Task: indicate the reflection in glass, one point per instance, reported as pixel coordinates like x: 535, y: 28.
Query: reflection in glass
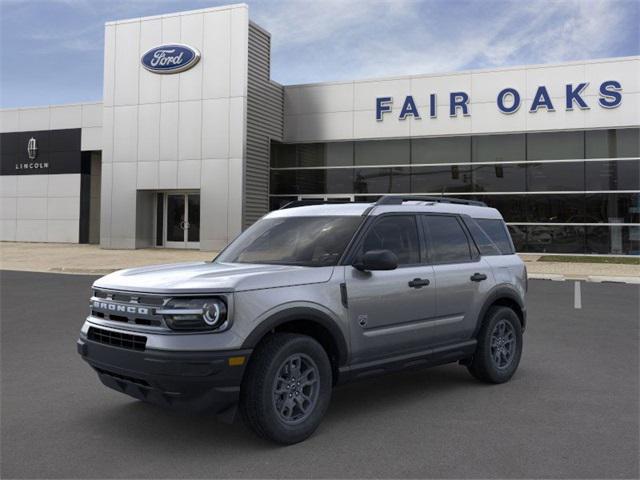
x: 544, y: 177
x: 193, y: 233
x: 548, y: 238
x: 175, y: 218
x: 499, y: 178
x: 612, y: 208
x: 556, y: 208
x: 446, y: 178
x: 382, y: 180
x: 613, y: 175
x: 613, y: 240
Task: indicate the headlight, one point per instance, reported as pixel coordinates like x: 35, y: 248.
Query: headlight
x: 195, y: 314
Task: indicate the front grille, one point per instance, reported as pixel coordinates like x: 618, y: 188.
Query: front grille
x: 117, y: 339
x: 124, y: 307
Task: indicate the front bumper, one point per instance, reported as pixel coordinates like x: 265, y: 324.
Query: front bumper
x: 190, y: 380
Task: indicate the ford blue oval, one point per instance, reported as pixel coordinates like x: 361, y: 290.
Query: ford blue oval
x: 172, y: 58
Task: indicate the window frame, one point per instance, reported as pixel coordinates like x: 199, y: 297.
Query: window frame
x: 354, y: 247
x: 474, y: 253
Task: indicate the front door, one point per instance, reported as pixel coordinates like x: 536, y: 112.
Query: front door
x: 390, y: 312
x: 182, y: 220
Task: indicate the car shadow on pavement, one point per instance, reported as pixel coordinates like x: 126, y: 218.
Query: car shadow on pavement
x: 150, y: 424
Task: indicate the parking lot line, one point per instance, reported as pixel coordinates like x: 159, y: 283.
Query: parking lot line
x: 577, y: 295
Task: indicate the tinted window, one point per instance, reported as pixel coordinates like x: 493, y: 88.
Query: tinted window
x: 613, y: 143
x: 382, y: 180
x: 382, y: 152
x: 397, y: 233
x: 612, y: 208
x: 497, y: 232
x: 513, y: 208
x: 499, y: 178
x: 564, y: 176
x: 613, y: 175
x: 499, y: 148
x: 438, y: 179
x: 549, y: 238
x: 555, y: 145
x: 304, y: 241
x: 555, y: 208
x: 441, y: 150
x: 481, y: 239
x: 447, y: 240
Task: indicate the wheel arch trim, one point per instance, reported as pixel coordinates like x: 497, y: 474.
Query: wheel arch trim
x: 498, y: 293
x: 300, y: 313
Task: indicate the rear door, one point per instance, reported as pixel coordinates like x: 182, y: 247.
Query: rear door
x: 390, y: 311
x: 462, y: 277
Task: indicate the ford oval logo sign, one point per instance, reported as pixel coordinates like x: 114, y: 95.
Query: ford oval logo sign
x: 172, y: 58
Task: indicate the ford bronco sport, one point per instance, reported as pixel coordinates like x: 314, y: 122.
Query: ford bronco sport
x: 312, y: 296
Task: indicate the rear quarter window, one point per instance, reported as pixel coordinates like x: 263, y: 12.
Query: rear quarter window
x: 498, y: 233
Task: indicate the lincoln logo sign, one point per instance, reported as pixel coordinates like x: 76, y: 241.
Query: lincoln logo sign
x: 172, y: 58
x: 508, y: 101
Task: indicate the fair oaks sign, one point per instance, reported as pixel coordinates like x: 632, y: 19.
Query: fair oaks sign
x: 508, y: 101
x: 173, y: 58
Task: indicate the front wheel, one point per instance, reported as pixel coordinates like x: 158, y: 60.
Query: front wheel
x: 499, y: 346
x: 287, y: 388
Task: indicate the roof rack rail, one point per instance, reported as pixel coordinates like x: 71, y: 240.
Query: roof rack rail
x: 311, y: 201
x: 399, y: 199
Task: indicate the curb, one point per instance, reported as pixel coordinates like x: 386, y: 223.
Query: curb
x: 588, y: 278
x: 83, y: 271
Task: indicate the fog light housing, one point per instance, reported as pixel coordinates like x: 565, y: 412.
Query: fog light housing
x: 195, y: 314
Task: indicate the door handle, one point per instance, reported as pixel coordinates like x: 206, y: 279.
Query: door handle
x: 478, y: 277
x: 419, y: 282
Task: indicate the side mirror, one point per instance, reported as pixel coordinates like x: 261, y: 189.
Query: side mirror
x: 377, y: 260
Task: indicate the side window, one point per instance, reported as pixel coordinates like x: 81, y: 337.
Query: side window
x: 497, y: 231
x: 484, y: 243
x: 398, y: 233
x: 449, y: 243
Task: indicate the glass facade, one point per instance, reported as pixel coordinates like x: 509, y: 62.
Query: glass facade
x: 560, y: 192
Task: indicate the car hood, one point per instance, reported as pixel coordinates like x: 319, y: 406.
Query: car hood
x: 209, y: 277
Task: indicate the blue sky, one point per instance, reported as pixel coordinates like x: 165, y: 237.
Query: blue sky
x: 51, y: 50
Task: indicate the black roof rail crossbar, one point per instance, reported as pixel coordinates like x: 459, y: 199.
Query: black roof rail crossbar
x: 399, y: 199
x: 311, y: 201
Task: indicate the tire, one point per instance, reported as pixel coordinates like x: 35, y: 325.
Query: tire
x: 501, y: 329
x: 275, y: 406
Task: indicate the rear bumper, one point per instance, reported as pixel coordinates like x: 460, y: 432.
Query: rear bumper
x: 188, y: 380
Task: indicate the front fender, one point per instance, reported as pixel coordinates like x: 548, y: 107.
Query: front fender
x: 300, y: 311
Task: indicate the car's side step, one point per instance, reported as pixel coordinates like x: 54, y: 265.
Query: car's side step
x: 425, y: 358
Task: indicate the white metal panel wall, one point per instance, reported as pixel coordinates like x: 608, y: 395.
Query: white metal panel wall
x: 178, y: 131
x: 40, y: 208
x: 346, y: 110
x: 87, y: 116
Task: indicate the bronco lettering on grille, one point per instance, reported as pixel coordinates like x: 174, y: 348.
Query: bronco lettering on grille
x: 116, y: 307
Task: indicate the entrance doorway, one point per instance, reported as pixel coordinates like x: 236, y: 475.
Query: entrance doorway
x: 181, y: 220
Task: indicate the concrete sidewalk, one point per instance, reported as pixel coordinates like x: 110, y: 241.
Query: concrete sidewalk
x: 90, y: 259
x: 87, y: 259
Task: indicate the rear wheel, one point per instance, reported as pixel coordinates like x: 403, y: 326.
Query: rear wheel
x: 287, y: 388
x: 499, y: 346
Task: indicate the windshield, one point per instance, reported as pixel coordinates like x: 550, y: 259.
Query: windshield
x: 304, y: 241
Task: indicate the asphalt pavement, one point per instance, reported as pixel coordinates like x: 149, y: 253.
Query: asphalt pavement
x: 571, y: 411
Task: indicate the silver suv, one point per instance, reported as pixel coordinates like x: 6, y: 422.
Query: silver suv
x: 309, y: 297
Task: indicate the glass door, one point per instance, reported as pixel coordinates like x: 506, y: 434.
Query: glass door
x: 182, y: 220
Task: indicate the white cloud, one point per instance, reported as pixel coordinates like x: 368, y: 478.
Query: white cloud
x: 325, y: 40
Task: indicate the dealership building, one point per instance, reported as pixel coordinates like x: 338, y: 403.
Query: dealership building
x: 193, y: 142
